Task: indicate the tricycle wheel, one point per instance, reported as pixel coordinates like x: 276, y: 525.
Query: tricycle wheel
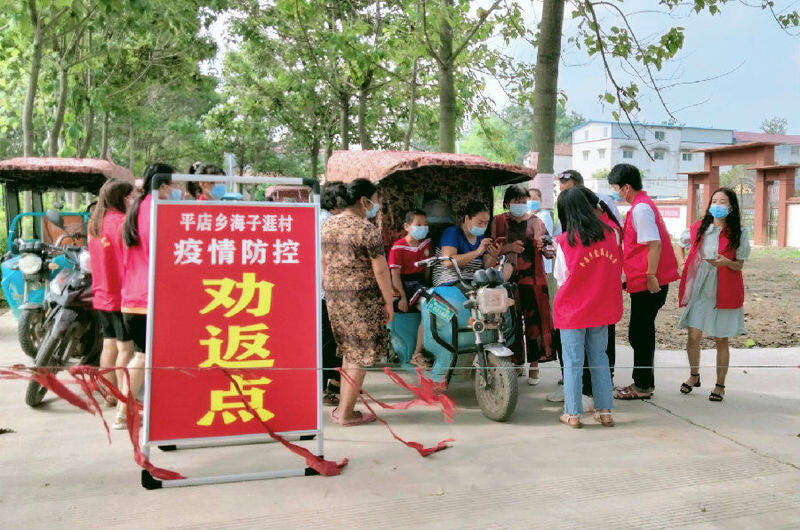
x: 497, y: 396
x: 30, y: 330
x: 46, y: 356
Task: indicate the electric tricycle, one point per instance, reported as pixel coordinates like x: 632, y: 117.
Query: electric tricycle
x: 468, y: 326
x: 29, y: 263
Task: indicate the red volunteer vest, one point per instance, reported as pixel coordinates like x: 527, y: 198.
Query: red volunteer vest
x: 635, y: 254
x: 107, y: 263
x: 592, y: 294
x: 730, y: 284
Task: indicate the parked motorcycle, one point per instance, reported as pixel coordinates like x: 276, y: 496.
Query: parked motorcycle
x: 36, y: 262
x: 71, y: 327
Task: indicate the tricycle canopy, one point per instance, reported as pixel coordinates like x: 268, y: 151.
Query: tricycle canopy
x: 40, y: 174
x: 441, y: 184
x: 75, y: 174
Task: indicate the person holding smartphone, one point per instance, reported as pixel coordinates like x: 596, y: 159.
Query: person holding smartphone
x: 520, y: 235
x: 712, y: 288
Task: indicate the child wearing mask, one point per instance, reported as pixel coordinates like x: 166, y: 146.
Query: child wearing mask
x: 407, y: 278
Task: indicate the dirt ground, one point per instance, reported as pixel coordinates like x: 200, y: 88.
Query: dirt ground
x: 772, y: 306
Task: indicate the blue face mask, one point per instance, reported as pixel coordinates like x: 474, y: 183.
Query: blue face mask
x: 372, y: 212
x: 218, y: 191
x: 719, y: 211
x: 176, y: 195
x: 477, y: 231
x: 518, y: 210
x: 533, y: 205
x: 615, y: 196
x: 419, y: 232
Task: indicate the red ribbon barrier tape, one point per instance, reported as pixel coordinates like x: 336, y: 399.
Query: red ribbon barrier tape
x: 424, y: 395
x: 88, y: 377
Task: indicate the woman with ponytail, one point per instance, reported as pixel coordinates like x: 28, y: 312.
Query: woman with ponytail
x: 136, y: 256
x: 712, y: 288
x: 105, y: 248
x: 358, y: 292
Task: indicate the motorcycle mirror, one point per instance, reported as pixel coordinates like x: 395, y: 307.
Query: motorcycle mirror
x: 54, y: 216
x: 480, y: 277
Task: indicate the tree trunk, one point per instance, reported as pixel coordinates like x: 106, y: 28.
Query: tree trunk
x: 447, y: 91
x: 61, y: 106
x: 132, y: 151
x: 412, y: 107
x: 104, y: 137
x: 328, y: 149
x: 315, y: 157
x: 344, y: 119
x: 363, y: 137
x: 89, y: 125
x: 546, y: 94
x: 33, y: 82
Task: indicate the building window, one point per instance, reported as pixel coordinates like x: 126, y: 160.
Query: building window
x: 686, y: 156
x: 658, y: 155
x: 796, y: 150
x: 627, y: 153
x: 659, y: 135
x: 605, y: 132
x: 586, y: 155
x: 586, y: 134
x: 601, y: 154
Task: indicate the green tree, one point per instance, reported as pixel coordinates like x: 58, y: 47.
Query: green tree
x: 774, y: 125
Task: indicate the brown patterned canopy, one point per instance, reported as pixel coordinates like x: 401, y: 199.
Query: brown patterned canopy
x: 345, y: 166
x: 434, y: 182
x: 45, y: 173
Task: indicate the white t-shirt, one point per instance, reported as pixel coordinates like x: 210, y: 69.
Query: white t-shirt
x: 612, y: 205
x: 644, y: 222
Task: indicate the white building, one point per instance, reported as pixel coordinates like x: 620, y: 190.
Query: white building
x: 599, y: 145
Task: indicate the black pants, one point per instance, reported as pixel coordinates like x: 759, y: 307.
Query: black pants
x: 642, y: 334
x: 329, y: 359
x: 611, y: 351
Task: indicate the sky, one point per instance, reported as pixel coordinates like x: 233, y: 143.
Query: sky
x: 758, y: 62
x: 754, y: 63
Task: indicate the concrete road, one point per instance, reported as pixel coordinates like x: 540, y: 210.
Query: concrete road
x: 671, y: 462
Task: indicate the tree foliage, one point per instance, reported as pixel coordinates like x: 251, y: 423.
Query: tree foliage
x: 774, y: 125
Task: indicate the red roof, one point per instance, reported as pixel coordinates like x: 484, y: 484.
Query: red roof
x: 347, y: 166
x: 742, y: 136
x: 69, y: 173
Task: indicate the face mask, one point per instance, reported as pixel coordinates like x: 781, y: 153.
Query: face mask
x: 175, y: 195
x: 533, y: 205
x: 419, y: 232
x: 372, y: 212
x: 615, y: 196
x: 518, y: 210
x: 719, y: 211
x: 218, y: 191
x: 477, y: 231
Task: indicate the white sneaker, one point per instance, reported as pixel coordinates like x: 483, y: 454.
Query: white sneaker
x: 533, y: 381
x: 557, y: 396
x: 588, y: 403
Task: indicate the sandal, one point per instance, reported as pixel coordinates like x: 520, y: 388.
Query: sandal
x: 330, y: 399
x: 120, y: 422
x: 604, y: 418
x: 629, y: 393
x: 713, y: 396
x: 686, y: 388
x: 571, y: 421
x: 420, y: 361
x: 363, y: 418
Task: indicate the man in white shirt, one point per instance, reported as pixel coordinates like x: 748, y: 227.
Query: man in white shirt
x: 649, y: 265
